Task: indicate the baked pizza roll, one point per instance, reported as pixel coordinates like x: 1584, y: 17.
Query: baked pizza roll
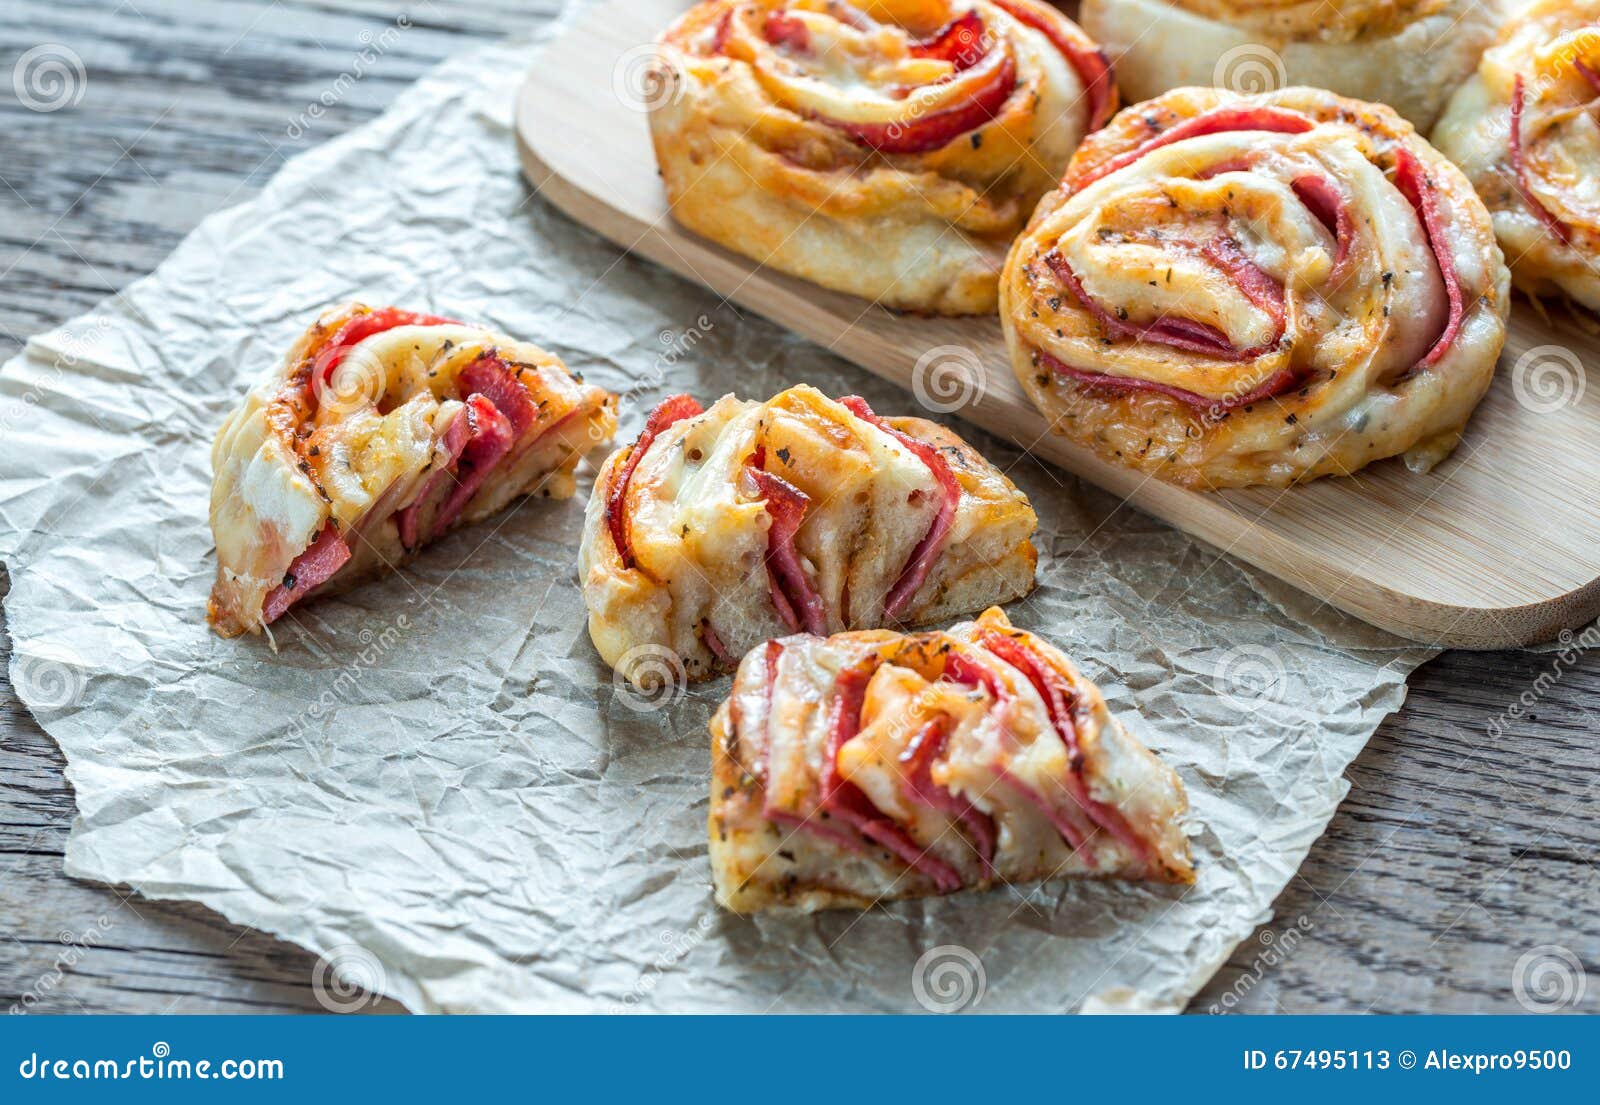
x: 865, y: 766
x: 891, y: 150
x: 1409, y: 54
x: 1526, y: 130
x: 719, y: 529
x: 381, y: 430
x: 1230, y: 290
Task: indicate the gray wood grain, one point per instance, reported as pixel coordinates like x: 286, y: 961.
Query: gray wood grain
x: 1456, y: 853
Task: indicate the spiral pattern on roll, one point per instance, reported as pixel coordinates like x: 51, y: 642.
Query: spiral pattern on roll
x: 1230, y: 290
x: 890, y: 150
x: 1526, y: 130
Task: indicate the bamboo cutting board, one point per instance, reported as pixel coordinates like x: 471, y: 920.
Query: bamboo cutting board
x: 1498, y: 546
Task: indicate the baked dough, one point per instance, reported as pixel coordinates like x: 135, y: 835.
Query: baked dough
x: 890, y: 150
x: 1409, y: 54
x: 717, y: 530
x: 1230, y: 290
x: 380, y: 430
x: 1526, y: 131
x: 870, y: 766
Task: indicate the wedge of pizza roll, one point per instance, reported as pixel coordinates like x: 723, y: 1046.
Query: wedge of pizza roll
x: 890, y: 149
x: 1526, y: 131
x: 379, y: 431
x: 872, y: 765
x: 1230, y: 290
x: 1409, y: 54
x: 721, y: 528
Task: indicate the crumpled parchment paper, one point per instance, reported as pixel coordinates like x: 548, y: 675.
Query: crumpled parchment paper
x: 435, y: 782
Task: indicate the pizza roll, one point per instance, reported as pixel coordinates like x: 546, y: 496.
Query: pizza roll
x: 890, y: 150
x: 1230, y: 290
x: 866, y: 766
x: 1408, y: 54
x: 718, y: 529
x: 379, y: 431
x: 1526, y: 130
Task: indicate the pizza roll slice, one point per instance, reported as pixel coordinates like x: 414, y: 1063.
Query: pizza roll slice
x: 1409, y: 54
x: 872, y: 765
x: 1526, y: 130
x: 379, y: 431
x: 721, y: 528
x: 1230, y: 290
x: 889, y: 149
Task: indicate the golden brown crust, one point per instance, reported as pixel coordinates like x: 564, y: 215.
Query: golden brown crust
x: 775, y: 842
x: 696, y: 582
x: 756, y: 148
x: 1263, y: 303
x: 1366, y: 49
x: 345, y: 439
x: 736, y: 828
x: 1548, y: 221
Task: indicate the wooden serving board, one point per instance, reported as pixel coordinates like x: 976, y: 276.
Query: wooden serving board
x: 1498, y: 546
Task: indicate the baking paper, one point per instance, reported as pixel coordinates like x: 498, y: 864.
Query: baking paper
x: 434, y: 782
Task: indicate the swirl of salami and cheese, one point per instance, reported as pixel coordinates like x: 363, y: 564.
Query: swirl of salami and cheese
x: 890, y: 150
x: 1526, y: 130
x: 1230, y: 290
x: 720, y: 528
x: 875, y: 765
x: 380, y: 430
x: 1409, y: 54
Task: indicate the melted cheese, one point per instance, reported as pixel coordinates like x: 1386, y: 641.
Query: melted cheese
x: 1560, y: 138
x: 699, y: 530
x: 770, y: 761
x: 370, y: 438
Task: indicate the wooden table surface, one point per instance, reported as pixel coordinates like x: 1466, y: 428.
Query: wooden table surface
x: 1458, y: 853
